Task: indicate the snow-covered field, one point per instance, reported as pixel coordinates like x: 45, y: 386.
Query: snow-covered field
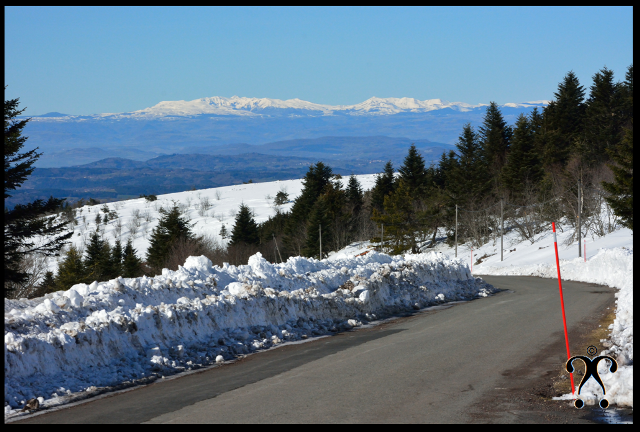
x: 106, y: 335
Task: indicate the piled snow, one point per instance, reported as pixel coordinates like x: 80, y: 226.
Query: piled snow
x: 126, y: 331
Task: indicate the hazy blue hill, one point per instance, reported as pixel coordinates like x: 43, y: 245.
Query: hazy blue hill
x: 217, y: 134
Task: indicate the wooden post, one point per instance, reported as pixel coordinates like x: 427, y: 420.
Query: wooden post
x: 501, y: 229
x: 456, y: 230
x: 579, y: 217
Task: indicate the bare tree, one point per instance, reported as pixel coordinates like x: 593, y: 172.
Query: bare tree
x: 35, y: 265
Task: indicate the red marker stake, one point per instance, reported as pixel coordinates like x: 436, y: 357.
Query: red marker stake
x: 564, y: 320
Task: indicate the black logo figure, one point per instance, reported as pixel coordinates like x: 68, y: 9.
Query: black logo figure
x: 592, y: 371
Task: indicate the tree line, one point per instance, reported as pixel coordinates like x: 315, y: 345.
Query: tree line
x: 532, y: 170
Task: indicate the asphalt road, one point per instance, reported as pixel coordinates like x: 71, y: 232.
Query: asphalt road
x: 445, y: 365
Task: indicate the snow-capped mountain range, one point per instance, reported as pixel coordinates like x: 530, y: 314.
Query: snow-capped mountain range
x: 258, y: 107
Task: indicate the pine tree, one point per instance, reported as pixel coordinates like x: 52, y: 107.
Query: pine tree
x: 24, y: 223
x: 413, y: 172
x: 115, y: 263
x: 354, y: 195
x: 495, y: 139
x: 318, y: 217
x: 47, y: 285
x: 523, y: 168
x: 170, y: 228
x: 621, y: 189
x: 223, y: 232
x: 245, y: 229
x: 385, y: 184
x: 471, y: 179
x: 71, y: 270
x: 400, y: 218
x: 564, y: 120
x: 98, y: 259
x: 603, y: 119
x: 314, y: 183
x: 131, y: 264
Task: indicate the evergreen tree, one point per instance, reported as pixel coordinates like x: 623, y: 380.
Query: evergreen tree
x: 384, y: 185
x: 48, y: 284
x: 24, y: 223
x: 98, y: 260
x: 471, y: 179
x: 223, y: 232
x: 523, y: 168
x: 401, y: 220
x: 71, y: 270
x: 495, y: 139
x: 170, y: 228
x: 413, y: 172
x: 603, y: 120
x: 245, y: 229
x: 314, y: 183
x: 319, y: 217
x: 626, y: 90
x: 131, y: 264
x: 621, y: 189
x: 565, y: 120
x: 354, y: 195
x: 115, y: 264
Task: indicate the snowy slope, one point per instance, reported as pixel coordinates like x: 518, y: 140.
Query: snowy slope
x: 209, y: 222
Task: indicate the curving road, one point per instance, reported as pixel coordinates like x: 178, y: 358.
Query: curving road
x: 449, y: 364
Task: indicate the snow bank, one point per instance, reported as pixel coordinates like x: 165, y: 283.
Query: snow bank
x: 127, y: 330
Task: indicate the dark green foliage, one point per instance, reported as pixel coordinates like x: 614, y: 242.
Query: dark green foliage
x: 319, y: 216
x: 98, y: 260
x: 495, y: 139
x: 24, y: 222
x: 314, y: 183
x: 413, y: 172
x: 281, y: 198
x: 223, y: 232
x: 47, y: 285
x: 151, y: 198
x: 603, y: 119
x: 470, y: 178
x: 71, y: 270
x: 115, y: 263
x: 622, y: 188
x: 523, y: 170
x: 385, y: 184
x: 245, y: 229
x: 354, y: 195
x: 131, y: 264
x: 170, y: 228
x: 564, y: 121
x: 401, y: 220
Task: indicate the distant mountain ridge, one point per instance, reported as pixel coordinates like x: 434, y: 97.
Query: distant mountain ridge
x: 265, y: 107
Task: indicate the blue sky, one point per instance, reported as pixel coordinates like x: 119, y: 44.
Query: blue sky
x: 87, y: 60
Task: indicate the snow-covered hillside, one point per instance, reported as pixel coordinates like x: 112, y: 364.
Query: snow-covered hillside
x: 207, y: 210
